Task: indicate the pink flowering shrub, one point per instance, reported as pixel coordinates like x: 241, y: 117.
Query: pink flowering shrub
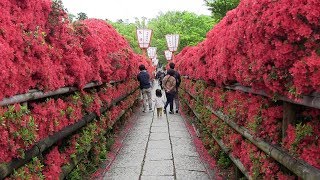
x: 40, y: 49
x: 259, y: 115
x: 54, y: 161
x: 303, y: 141
x: 21, y: 126
x: 268, y: 45
x: 54, y: 115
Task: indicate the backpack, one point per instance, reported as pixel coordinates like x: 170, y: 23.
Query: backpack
x: 178, y: 78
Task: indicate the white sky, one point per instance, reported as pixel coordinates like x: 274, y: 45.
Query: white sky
x: 129, y: 9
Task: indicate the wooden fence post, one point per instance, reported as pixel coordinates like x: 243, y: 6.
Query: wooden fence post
x: 289, y: 115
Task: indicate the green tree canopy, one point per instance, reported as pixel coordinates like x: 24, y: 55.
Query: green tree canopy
x: 82, y: 16
x: 128, y: 30
x: 219, y: 8
x: 192, y: 29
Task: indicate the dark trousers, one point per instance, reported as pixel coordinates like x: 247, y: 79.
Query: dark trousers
x: 170, y: 97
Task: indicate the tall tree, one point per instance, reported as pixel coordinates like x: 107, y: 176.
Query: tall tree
x: 128, y: 30
x: 192, y: 29
x: 82, y: 16
x: 219, y: 8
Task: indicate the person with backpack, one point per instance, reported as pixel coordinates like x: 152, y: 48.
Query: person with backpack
x: 145, y: 86
x: 169, y: 85
x: 178, y: 81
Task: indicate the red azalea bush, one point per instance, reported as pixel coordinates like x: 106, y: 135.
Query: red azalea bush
x: 54, y: 161
x: 263, y: 118
x: 268, y: 45
x: 90, y: 137
x: 258, y: 114
x: 303, y: 140
x: 257, y: 163
x: 42, y: 50
x: 21, y: 126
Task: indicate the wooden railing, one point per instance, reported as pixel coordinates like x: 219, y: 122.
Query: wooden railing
x: 36, y: 94
x: 41, y: 146
x: 298, y: 167
x: 225, y: 149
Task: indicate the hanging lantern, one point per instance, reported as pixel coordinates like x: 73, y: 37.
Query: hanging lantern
x: 144, y: 37
x: 172, y: 42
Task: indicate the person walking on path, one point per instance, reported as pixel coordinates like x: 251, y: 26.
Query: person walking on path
x: 159, y: 102
x: 160, y: 75
x: 178, y: 81
x: 169, y: 85
x: 145, y: 86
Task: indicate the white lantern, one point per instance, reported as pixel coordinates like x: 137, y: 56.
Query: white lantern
x: 172, y: 42
x: 152, y: 52
x: 144, y: 37
x: 168, y: 55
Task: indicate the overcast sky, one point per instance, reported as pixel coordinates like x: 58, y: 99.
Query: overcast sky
x: 129, y: 9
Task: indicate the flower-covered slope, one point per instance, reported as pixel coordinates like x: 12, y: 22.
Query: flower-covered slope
x: 41, y: 50
x: 269, y: 45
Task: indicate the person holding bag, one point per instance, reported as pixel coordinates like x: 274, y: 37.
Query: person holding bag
x: 169, y: 85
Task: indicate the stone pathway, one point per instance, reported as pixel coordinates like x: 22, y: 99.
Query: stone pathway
x: 158, y: 148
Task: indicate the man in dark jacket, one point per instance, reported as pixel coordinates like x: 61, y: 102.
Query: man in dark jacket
x: 178, y: 80
x: 145, y: 86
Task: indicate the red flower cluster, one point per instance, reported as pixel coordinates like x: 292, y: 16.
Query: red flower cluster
x: 41, y: 50
x: 53, y: 115
x: 21, y: 127
x: 54, y: 161
x: 303, y: 140
x: 268, y: 45
x: 259, y: 115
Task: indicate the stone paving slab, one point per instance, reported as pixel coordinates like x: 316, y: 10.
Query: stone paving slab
x: 127, y: 173
x: 155, y: 168
x: 181, y: 141
x: 156, y: 129
x: 184, y: 150
x: 157, y: 177
x: 161, y: 144
x: 182, y: 134
x: 128, y: 160
x: 188, y: 163
x: 191, y: 175
x: 160, y: 122
x: 159, y: 136
x: 158, y: 154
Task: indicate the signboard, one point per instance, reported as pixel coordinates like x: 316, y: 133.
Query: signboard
x: 144, y: 37
x: 172, y: 42
x: 168, y: 54
x: 152, y: 52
